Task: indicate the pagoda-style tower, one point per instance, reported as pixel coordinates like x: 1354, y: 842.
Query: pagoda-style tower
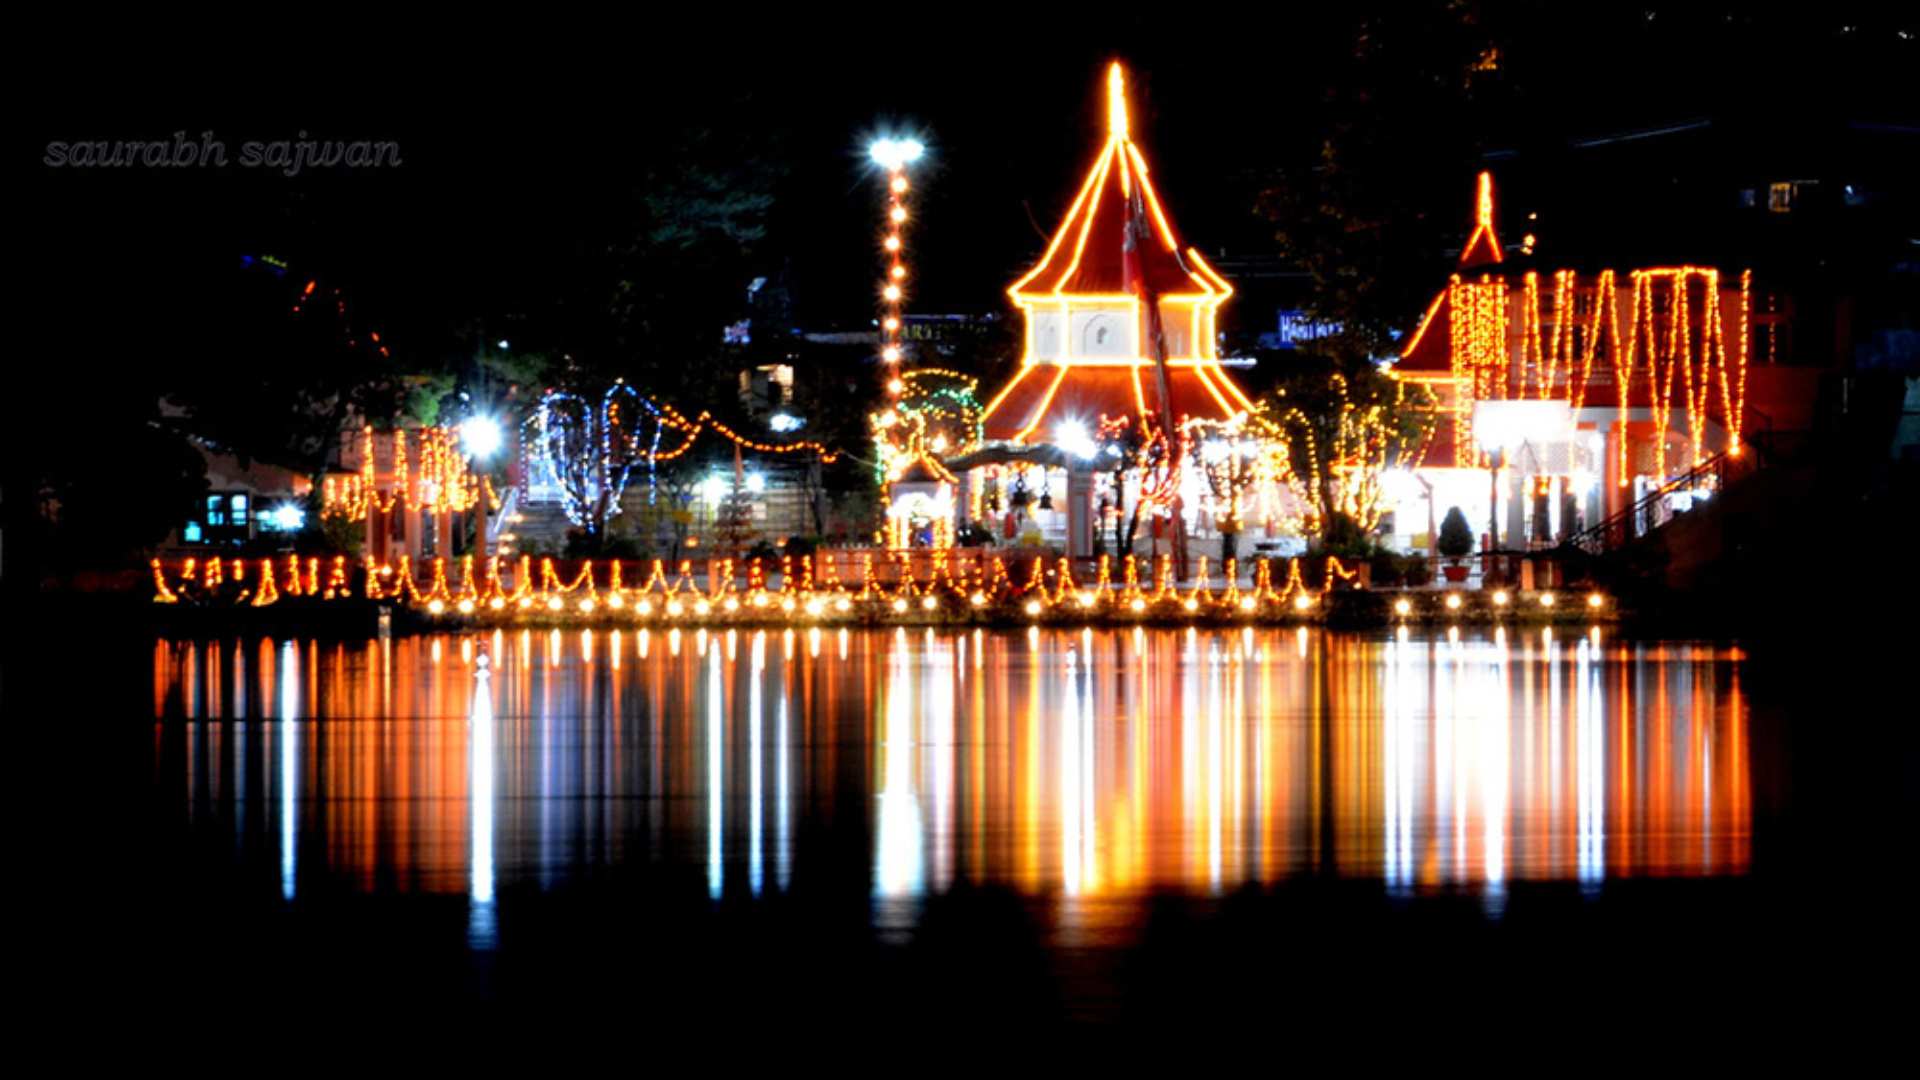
x: 1090, y: 352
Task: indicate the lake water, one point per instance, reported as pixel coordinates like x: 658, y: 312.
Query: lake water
x: 1079, y: 825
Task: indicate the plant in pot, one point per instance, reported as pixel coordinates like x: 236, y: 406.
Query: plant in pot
x: 1455, y: 544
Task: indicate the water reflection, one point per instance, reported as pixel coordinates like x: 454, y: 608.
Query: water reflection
x: 1081, y: 765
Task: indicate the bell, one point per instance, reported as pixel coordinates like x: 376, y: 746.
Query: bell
x: 1046, y: 500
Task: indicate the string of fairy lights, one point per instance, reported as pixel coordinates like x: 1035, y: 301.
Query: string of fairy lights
x: 1666, y: 347
x: 939, y: 585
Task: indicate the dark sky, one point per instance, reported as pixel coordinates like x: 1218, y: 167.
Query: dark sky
x: 519, y: 145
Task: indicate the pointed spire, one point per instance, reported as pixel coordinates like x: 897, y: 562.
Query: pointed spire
x: 1483, y: 234
x: 1117, y: 102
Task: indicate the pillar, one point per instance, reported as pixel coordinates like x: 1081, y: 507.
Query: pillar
x: 1613, y: 493
x: 1080, y: 513
x: 1519, y: 500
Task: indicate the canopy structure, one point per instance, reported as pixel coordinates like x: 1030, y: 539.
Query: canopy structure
x: 1090, y: 353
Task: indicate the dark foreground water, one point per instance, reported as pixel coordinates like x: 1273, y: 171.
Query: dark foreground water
x: 975, y: 832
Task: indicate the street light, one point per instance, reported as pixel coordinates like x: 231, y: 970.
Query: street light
x: 481, y: 436
x: 892, y: 153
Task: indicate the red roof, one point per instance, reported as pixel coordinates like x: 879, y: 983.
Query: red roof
x: 1086, y: 254
x: 1088, y: 393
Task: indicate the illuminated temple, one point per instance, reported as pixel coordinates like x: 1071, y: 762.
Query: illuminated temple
x: 1563, y: 398
x: 1090, y: 375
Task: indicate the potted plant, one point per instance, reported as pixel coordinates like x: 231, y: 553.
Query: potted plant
x: 1455, y: 544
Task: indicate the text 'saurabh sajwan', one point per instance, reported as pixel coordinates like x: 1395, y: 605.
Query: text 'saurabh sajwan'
x: 290, y: 157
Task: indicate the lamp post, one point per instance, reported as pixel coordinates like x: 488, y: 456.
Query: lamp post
x: 894, y: 155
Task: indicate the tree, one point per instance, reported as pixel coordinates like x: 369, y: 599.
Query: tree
x: 1386, y: 180
x: 1342, y: 424
x: 292, y: 367
x: 1456, y: 536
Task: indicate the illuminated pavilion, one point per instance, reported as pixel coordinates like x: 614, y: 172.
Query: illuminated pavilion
x: 1091, y: 362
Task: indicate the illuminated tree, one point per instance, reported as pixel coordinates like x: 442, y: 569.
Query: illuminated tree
x: 589, y: 449
x: 1339, y: 432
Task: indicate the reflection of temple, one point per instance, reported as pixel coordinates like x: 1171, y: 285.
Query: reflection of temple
x: 1566, y: 397
x: 1089, y: 378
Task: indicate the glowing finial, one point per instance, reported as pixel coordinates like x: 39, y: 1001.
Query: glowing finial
x: 1116, y: 102
x: 1483, y: 234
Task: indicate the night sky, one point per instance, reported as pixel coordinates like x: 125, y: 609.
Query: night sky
x: 518, y: 147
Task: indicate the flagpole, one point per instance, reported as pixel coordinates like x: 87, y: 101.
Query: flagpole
x: 1156, y: 336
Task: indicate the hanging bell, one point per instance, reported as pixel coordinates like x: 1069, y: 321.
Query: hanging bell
x: 1046, y: 499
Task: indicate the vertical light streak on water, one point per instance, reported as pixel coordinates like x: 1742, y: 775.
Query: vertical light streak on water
x: 1494, y: 741
x: 548, y: 849
x: 1589, y: 770
x: 941, y: 749
x: 1398, y: 760
x: 1072, y: 878
x: 1446, y: 810
x: 289, y: 769
x: 756, y: 781
x: 1556, y: 805
x: 1189, y: 721
x: 1089, y: 820
x: 239, y: 746
x: 1261, y: 826
x: 716, y: 745
x: 480, y: 780
x: 1391, y: 771
x: 1407, y: 762
x: 783, y: 860
x: 898, y: 870
x: 1216, y: 779
x: 1705, y: 717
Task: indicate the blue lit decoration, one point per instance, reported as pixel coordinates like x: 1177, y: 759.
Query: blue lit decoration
x: 589, y: 451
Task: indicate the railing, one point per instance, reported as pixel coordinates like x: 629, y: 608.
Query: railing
x: 1705, y: 480
x: 498, y: 522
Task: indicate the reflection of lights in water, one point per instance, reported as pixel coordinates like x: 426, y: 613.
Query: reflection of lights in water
x: 897, y: 857
x: 1216, y: 770
x: 1397, y: 761
x: 480, y: 775
x: 1452, y: 765
x: 716, y: 796
x: 783, y: 858
x: 1494, y: 737
x: 1075, y: 866
x: 289, y: 770
x: 938, y: 707
x: 1590, y: 769
x: 756, y: 784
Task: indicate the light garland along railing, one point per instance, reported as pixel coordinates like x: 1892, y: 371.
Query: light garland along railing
x: 981, y: 590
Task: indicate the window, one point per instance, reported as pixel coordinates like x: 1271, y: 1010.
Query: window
x: 239, y: 508
x: 216, y: 509
x: 190, y: 534
x: 1780, y: 198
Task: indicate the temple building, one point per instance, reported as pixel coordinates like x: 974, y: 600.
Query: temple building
x: 1562, y: 398
x: 1119, y: 344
